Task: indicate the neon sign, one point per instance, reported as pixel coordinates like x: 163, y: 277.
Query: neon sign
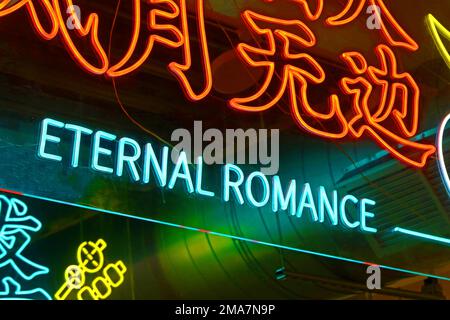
x: 440, y: 153
x: 15, y: 228
x: 366, y: 118
x: 437, y: 30
x: 127, y: 155
x: 173, y: 11
x: 13, y: 291
x: 393, y: 123
x: 91, y: 260
x: 235, y: 237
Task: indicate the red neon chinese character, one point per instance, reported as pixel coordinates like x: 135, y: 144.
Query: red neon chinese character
x: 354, y: 8
x: 397, y: 107
x: 293, y: 80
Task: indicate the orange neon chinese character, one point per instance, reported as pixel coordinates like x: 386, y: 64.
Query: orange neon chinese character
x: 397, y: 106
x: 9, y: 6
x: 387, y: 21
x: 54, y: 14
x: 293, y: 79
x: 171, y: 17
x: 391, y: 118
x: 164, y: 20
x: 87, y: 30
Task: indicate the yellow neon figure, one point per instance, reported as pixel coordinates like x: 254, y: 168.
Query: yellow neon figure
x: 91, y: 260
x: 437, y: 31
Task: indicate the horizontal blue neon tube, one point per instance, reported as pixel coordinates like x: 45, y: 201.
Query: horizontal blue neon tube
x: 422, y: 235
x: 224, y: 235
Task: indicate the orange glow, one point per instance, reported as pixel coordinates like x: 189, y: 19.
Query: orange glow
x: 244, y: 50
x: 89, y: 29
x: 372, y: 121
x: 179, y: 69
x: 348, y: 14
x: 354, y: 8
x: 182, y: 40
x: 398, y: 104
x: 5, y: 10
x: 311, y: 15
x: 115, y: 71
x: 301, y: 109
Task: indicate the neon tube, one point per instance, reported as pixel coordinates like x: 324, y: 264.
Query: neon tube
x: 224, y: 235
x: 422, y: 235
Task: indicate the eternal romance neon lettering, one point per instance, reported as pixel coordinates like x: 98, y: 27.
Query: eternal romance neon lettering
x: 113, y: 155
x: 390, y: 119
